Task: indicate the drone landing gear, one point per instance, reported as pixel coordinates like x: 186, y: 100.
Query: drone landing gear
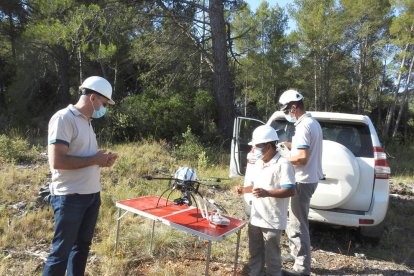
x: 187, y: 199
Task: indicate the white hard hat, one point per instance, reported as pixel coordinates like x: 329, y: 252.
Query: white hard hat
x: 289, y: 96
x: 99, y: 85
x: 185, y: 173
x: 264, y: 134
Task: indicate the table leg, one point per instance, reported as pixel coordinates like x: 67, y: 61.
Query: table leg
x: 208, y: 257
x: 118, y: 221
x: 236, y: 258
x: 152, y: 237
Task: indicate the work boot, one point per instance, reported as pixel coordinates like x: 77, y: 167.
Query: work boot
x: 291, y: 272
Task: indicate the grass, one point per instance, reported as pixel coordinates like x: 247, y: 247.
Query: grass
x: 400, y: 160
x: 28, y: 228
x: 26, y: 231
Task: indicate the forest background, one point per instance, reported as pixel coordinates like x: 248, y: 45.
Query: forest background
x: 193, y: 65
x: 181, y: 71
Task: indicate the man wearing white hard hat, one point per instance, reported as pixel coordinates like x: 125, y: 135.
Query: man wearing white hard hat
x: 75, y: 162
x: 273, y: 182
x: 306, y: 156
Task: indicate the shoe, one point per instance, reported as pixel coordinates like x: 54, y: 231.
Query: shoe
x: 288, y: 258
x: 290, y: 272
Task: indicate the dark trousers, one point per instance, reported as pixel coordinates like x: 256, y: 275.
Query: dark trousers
x: 75, y: 221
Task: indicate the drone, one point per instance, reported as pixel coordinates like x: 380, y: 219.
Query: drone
x: 185, y: 181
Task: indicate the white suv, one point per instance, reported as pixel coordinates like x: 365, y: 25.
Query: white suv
x: 355, y: 188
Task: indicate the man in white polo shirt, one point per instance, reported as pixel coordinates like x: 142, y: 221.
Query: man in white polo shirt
x: 273, y: 181
x: 306, y: 156
x: 75, y: 163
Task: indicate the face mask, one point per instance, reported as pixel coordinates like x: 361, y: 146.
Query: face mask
x: 289, y: 118
x: 98, y: 113
x: 258, y: 153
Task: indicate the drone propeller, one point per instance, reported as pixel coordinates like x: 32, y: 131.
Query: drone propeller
x: 211, y: 179
x: 150, y: 177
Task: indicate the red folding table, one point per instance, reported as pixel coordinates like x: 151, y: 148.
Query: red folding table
x: 182, y: 217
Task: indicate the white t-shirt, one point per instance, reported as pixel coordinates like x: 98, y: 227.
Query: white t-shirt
x: 271, y: 212
x: 72, y: 128
x: 308, y: 135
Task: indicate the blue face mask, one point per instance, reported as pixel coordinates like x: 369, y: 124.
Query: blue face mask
x: 98, y: 113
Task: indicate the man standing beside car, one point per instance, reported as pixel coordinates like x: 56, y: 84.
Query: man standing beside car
x: 306, y: 156
x: 75, y: 163
x: 272, y: 183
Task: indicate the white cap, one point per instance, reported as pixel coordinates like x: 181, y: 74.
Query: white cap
x: 264, y: 134
x: 100, y: 86
x: 289, y: 96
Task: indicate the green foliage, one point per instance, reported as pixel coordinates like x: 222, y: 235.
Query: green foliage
x: 159, y: 60
x: 263, y: 73
x: 160, y: 116
x: 192, y: 150
x: 147, y: 115
x: 16, y: 149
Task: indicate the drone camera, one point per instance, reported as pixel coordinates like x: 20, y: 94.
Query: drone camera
x: 183, y: 201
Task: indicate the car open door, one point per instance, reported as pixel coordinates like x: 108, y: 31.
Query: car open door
x: 242, y: 134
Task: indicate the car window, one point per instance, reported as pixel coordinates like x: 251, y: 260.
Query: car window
x: 246, y: 130
x: 284, y: 129
x: 356, y: 137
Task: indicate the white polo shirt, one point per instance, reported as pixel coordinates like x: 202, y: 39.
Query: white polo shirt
x: 72, y: 128
x: 308, y: 135
x: 271, y: 212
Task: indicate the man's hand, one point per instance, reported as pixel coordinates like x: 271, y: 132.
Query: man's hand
x: 106, y: 159
x: 283, y: 149
x: 111, y: 159
x: 240, y: 190
x: 259, y: 192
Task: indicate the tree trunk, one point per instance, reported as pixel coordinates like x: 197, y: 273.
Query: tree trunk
x: 315, y: 83
x: 12, y: 32
x: 321, y: 89
x: 62, y: 61
x: 361, y: 73
x: 404, y: 99
x: 80, y: 65
x: 221, y: 77
x: 391, y: 109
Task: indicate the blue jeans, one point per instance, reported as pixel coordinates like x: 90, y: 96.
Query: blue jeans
x: 75, y: 221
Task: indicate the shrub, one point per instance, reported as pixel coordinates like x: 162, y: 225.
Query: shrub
x: 191, y: 149
x: 16, y: 149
